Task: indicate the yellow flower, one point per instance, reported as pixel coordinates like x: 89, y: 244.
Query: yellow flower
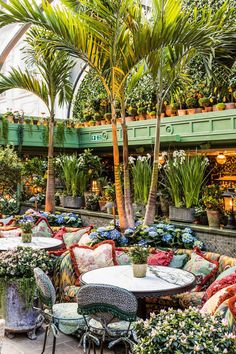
x: 211, y: 100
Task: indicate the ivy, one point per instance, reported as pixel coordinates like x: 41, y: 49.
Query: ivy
x: 25, y: 287
x: 20, y: 137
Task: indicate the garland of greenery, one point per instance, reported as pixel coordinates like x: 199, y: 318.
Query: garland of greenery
x: 20, y: 137
x: 60, y: 134
x: 5, y: 129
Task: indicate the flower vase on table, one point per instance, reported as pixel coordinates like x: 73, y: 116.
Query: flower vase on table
x: 26, y: 227
x: 26, y: 238
x: 138, y: 255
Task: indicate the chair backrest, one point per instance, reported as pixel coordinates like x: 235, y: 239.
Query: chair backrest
x: 110, y: 303
x: 47, y: 293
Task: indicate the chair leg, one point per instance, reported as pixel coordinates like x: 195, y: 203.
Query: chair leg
x: 45, y: 339
x: 102, y: 346
x: 94, y: 348
x: 54, y: 344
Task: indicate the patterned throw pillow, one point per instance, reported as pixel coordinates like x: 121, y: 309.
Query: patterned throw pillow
x: 218, y: 298
x: 72, y: 238
x: 42, y: 229
x: 85, y: 240
x: 10, y: 232
x: 122, y: 257
x: 203, y: 268
x: 178, y: 261
x: 226, y: 272
x: 160, y: 258
x: 227, y: 311
x: 218, y: 285
x: 86, y: 258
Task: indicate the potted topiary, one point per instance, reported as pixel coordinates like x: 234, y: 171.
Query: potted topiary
x: 108, y: 117
x: 139, y: 255
x: 220, y: 106
x: 205, y: 103
x: 189, y: 331
x: 191, y: 103
x: 132, y: 112
x: 212, y: 200
x: 142, y: 113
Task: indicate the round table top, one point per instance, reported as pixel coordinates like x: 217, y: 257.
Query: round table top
x: 46, y: 243
x: 159, y: 280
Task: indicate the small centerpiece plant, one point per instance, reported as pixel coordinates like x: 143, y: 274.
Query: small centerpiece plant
x: 139, y: 255
x: 26, y: 227
x: 177, y: 332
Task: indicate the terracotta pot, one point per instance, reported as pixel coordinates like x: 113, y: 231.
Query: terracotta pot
x: 26, y: 238
x: 182, y: 112
x: 170, y: 111
x: 213, y: 217
x: 139, y: 270
x: 191, y: 110
x: 119, y: 120
x: 220, y: 108
x: 173, y: 115
x: 152, y: 117
x: 208, y: 109
x: 230, y: 105
x: 163, y: 115
x: 214, y: 108
x: 198, y: 110
x: 103, y: 122
x: 129, y: 119
x: 98, y: 122
x: 86, y: 124
x: 102, y: 204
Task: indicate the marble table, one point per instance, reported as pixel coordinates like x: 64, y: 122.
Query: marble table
x: 46, y: 243
x: 160, y: 281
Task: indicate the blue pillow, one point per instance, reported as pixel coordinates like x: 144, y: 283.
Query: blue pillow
x: 178, y: 260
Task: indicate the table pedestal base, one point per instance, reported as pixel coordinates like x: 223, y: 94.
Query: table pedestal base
x: 142, y: 311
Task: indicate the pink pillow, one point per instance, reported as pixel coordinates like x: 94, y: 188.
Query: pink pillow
x: 85, y: 240
x: 86, y: 258
x: 162, y: 258
x: 218, y: 285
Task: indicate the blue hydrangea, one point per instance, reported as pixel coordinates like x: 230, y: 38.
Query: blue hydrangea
x: 129, y: 231
x: 142, y: 243
x: 101, y: 229
x: 160, y: 225
x: 123, y: 241
x: 167, y: 237
x: 105, y: 234
x: 187, y: 230
x: 93, y: 235
x: 60, y: 219
x: 138, y: 222
x: 169, y: 227
x: 198, y: 243
x: 114, y: 234
x: 187, y: 238
x: 152, y: 233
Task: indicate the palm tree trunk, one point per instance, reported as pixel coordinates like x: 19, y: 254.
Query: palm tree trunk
x: 127, y: 188
x: 151, y: 205
x: 50, y: 189
x: 118, y: 187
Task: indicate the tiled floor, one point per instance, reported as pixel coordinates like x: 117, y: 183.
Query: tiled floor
x: 65, y: 345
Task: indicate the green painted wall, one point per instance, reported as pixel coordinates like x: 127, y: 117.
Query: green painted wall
x: 214, y: 127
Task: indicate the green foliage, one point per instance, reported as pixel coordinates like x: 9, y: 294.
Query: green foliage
x: 26, y: 288
x: 5, y: 129
x: 34, y: 166
x: 27, y: 227
x: 138, y: 254
x: 11, y: 166
x: 212, y: 197
x: 60, y: 134
x: 91, y: 201
x: 220, y: 106
x: 191, y: 102
x: 141, y: 171
x: 188, y: 331
x: 204, y: 102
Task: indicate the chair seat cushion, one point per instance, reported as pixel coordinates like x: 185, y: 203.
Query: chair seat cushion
x: 70, y: 293
x: 115, y: 328
x: 67, y: 318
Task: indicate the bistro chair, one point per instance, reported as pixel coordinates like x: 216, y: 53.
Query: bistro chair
x: 61, y: 317
x: 109, y: 313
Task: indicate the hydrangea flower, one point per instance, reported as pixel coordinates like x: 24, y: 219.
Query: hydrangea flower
x: 198, y: 243
x: 129, y: 231
x: 167, y: 237
x: 187, y: 238
x: 93, y: 235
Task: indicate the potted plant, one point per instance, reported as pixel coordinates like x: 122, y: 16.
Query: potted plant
x: 152, y: 114
x: 110, y: 197
x: 171, y: 109
x: 220, y: 106
x: 138, y: 256
x: 191, y: 102
x: 26, y: 227
x: 97, y: 117
x: 142, y: 113
x: 180, y: 98
x: 92, y: 123
x: 205, y: 103
x: 230, y: 104
x: 212, y: 200
x: 9, y: 116
x: 107, y: 117
x: 91, y: 201
x: 187, y: 331
x: 17, y: 290
x: 132, y: 112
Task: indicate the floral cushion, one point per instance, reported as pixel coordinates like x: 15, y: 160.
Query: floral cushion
x: 162, y: 258
x: 115, y: 328
x: 69, y: 319
x: 203, y: 268
x: 228, y: 313
x: 122, y: 257
x: 218, y: 298
x: 225, y: 263
x: 218, y: 285
x: 86, y: 258
x: 226, y: 272
x: 42, y: 229
x: 85, y: 240
x: 10, y: 232
x: 72, y: 238
x: 178, y: 261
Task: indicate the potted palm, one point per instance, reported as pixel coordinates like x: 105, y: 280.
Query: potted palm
x: 139, y: 255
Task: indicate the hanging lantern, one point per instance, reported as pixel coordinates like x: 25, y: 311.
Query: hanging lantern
x: 221, y: 159
x: 95, y: 187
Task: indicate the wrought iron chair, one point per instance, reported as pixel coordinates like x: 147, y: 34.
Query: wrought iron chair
x: 61, y: 317
x: 111, y: 310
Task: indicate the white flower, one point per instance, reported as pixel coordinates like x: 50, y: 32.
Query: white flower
x: 148, y: 156
x: 131, y: 159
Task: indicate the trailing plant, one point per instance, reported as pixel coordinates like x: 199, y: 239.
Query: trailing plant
x: 141, y: 171
x: 60, y: 134
x: 20, y: 137
x: 5, y: 129
x: 11, y: 167
x: 45, y: 135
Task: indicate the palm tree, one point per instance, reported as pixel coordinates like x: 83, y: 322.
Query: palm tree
x: 105, y: 35
x: 51, y: 81
x: 205, y: 35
